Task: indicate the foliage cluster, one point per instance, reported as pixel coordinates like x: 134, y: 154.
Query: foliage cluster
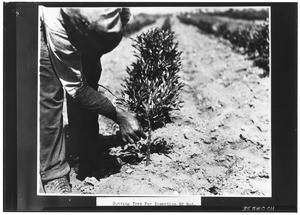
x: 152, y: 87
x: 167, y: 24
x: 134, y: 153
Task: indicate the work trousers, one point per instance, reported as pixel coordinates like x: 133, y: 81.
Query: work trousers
x: 83, y: 124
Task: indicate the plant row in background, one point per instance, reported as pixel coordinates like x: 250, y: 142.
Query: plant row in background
x: 138, y: 22
x: 246, y: 14
x: 167, y: 24
x: 252, y: 38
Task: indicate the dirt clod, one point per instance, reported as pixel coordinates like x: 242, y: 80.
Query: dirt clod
x: 129, y: 171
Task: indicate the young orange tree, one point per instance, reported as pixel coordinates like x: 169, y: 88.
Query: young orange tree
x: 152, y: 88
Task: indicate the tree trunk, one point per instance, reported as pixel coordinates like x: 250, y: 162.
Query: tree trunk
x: 148, y: 143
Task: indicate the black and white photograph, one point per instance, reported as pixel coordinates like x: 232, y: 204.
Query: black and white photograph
x: 155, y: 101
x: 150, y: 107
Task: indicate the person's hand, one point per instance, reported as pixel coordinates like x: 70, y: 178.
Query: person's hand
x: 130, y: 129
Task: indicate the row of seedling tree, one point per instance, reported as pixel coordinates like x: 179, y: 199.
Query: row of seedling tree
x: 252, y: 39
x: 138, y: 22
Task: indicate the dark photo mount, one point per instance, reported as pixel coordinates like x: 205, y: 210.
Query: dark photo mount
x: 20, y: 75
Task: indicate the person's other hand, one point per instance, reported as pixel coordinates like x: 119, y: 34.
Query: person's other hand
x: 130, y: 129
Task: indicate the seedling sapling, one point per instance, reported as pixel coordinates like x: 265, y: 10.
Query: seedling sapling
x: 153, y: 87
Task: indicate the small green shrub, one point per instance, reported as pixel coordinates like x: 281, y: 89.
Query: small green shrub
x: 153, y: 87
x: 167, y: 24
x: 205, y: 26
x: 223, y: 31
x: 259, y: 43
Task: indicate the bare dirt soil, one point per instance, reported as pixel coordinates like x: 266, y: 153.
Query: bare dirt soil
x: 219, y: 141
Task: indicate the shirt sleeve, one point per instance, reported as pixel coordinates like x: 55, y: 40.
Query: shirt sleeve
x: 66, y: 60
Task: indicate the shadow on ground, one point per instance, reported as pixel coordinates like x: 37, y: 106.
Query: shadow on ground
x: 110, y: 156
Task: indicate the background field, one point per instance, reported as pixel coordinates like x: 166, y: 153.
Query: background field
x: 218, y: 142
